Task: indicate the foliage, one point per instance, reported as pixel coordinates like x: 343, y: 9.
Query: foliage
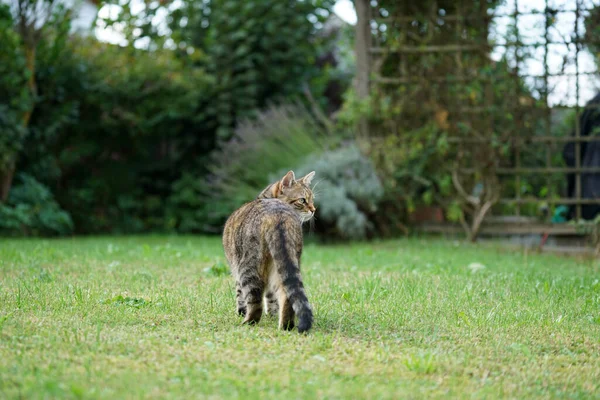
x: 411, y: 168
x: 13, y: 74
x: 15, y: 98
x: 122, y: 134
x: 592, y: 31
x: 112, y: 128
x: 12, y: 137
x: 25, y: 26
x: 336, y: 63
x: 260, y: 50
x: 442, y: 123
x: 350, y: 189
x: 60, y: 84
x: 280, y: 137
x: 185, y: 205
x: 32, y: 210
x: 12, y: 66
x: 559, y: 123
x: 138, y: 123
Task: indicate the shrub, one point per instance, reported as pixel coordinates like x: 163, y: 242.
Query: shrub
x: 139, y: 125
x: 12, y: 136
x: 261, y: 51
x: 14, y: 98
x: 280, y: 137
x: 185, y: 210
x: 32, y: 210
x: 347, y: 191
x: 122, y: 135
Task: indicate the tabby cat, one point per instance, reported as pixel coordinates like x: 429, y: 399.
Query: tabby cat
x: 263, y: 244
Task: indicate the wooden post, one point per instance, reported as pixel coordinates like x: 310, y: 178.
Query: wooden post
x: 578, y: 188
x: 516, y: 99
x: 547, y: 109
x: 363, y: 44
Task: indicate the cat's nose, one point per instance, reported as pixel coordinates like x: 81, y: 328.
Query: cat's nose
x: 312, y: 208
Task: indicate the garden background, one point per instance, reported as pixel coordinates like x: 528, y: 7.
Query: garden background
x: 125, y: 155
x: 195, y: 106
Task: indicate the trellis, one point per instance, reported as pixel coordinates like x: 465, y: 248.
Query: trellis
x: 370, y: 51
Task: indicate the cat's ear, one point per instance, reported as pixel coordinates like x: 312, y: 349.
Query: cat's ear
x: 307, y: 179
x: 288, y: 180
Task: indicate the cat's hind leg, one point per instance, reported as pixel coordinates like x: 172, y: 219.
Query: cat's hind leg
x: 271, y: 303
x: 286, y: 312
x: 241, y: 303
x: 252, y: 287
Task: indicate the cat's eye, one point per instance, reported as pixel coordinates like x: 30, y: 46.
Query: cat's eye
x: 302, y: 201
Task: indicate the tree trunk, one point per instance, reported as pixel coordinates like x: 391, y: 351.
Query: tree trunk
x: 363, y: 38
x: 31, y: 84
x: 6, y: 178
x: 478, y: 219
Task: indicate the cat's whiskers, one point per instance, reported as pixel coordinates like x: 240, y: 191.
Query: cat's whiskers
x: 316, y: 184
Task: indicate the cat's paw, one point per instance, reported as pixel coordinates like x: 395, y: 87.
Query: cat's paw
x: 253, y: 317
x: 287, y: 325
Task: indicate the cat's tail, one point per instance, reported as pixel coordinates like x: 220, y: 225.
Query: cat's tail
x: 284, y: 247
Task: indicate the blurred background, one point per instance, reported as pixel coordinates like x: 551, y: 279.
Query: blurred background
x: 133, y: 116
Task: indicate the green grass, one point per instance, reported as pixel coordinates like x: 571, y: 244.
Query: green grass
x: 153, y: 317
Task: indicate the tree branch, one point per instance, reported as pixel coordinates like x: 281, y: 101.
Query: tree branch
x: 316, y: 108
x: 461, y: 190
x: 465, y: 225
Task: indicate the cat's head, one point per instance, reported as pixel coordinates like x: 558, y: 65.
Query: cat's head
x: 296, y: 192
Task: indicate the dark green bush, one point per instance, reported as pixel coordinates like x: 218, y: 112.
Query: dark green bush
x: 32, y: 210
x: 261, y: 51
x: 122, y: 137
x: 138, y: 126
x: 186, y: 205
x: 14, y: 98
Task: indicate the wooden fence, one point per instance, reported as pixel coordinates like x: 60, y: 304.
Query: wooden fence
x: 545, y: 81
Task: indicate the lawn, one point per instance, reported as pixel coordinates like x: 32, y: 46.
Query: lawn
x: 154, y: 317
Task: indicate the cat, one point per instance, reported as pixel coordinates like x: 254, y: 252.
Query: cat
x: 263, y: 245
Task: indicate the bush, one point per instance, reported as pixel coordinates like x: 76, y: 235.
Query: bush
x: 185, y: 205
x: 280, y: 137
x: 12, y: 135
x: 137, y: 127
x: 347, y: 191
x: 262, y: 51
x: 123, y: 135
x: 32, y: 210
x: 14, y: 98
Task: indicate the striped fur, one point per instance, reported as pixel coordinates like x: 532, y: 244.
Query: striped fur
x: 263, y: 244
